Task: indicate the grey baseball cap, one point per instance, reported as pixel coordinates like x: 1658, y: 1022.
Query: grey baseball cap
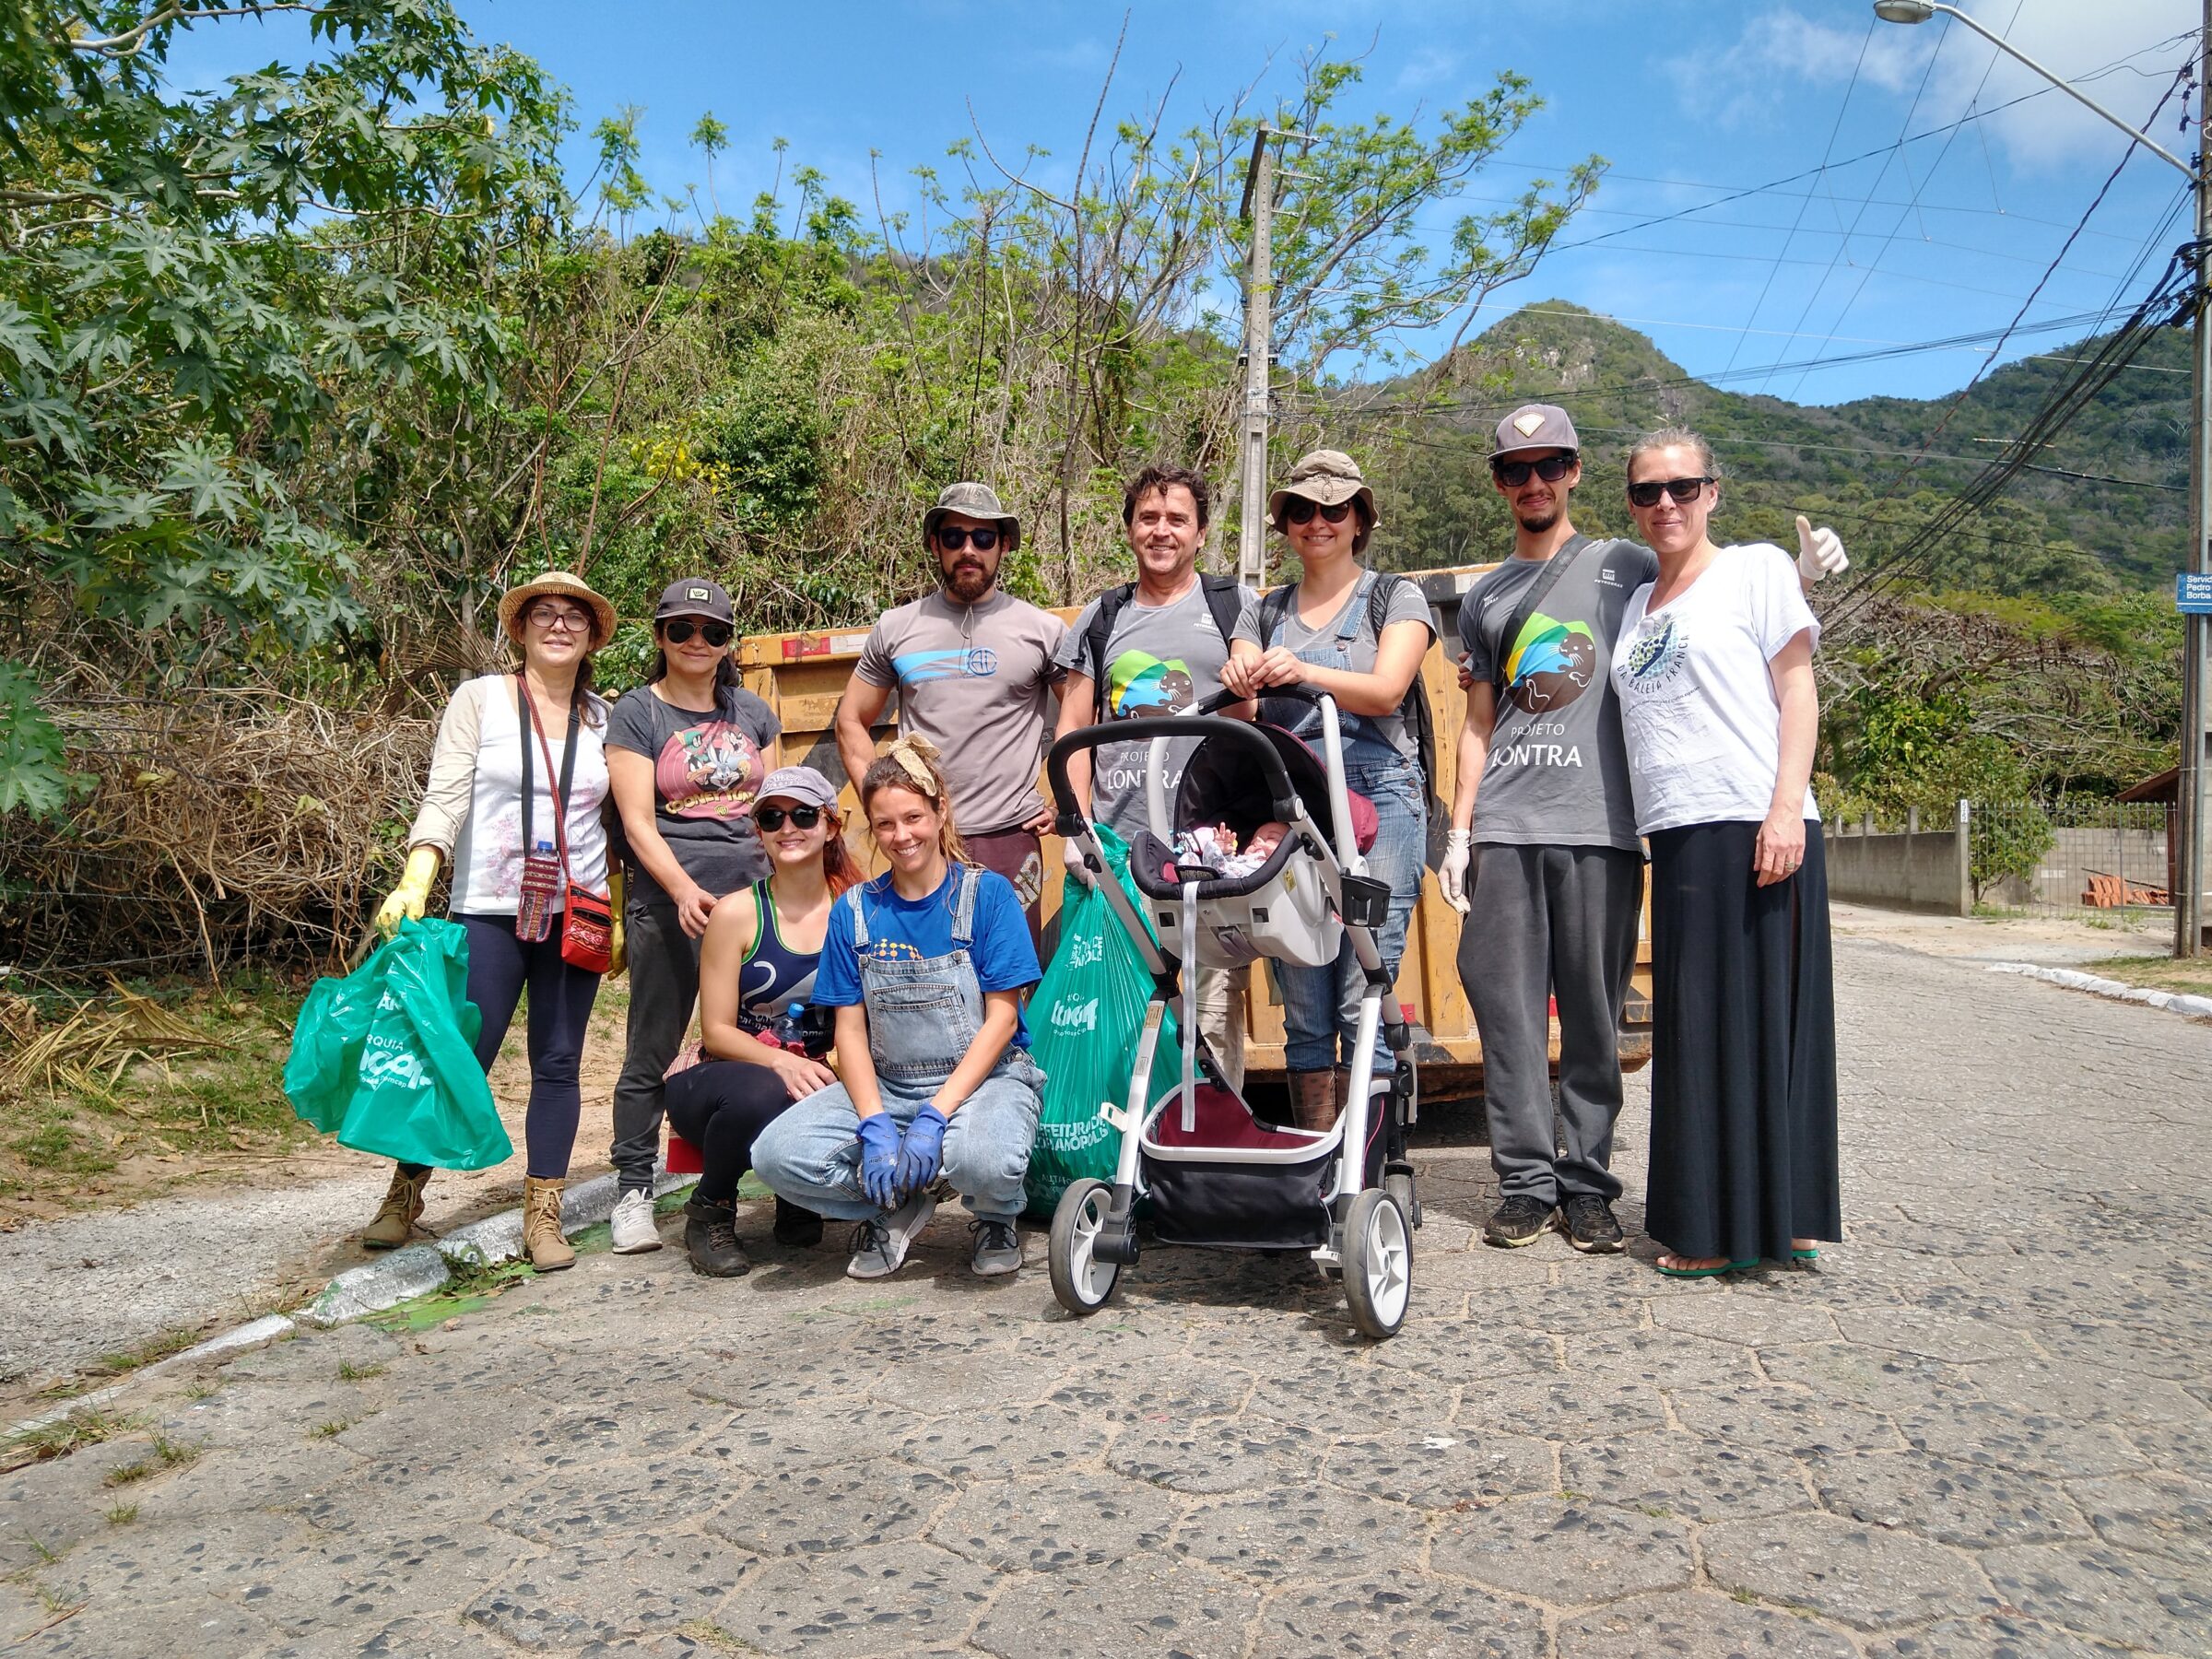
x: 694, y: 596
x: 1535, y: 427
x: 800, y: 784
x: 976, y: 501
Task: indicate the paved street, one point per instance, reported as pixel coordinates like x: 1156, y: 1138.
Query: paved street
x: 1981, y: 1427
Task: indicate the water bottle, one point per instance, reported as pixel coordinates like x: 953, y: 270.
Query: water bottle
x: 541, y: 880
x: 790, y: 1030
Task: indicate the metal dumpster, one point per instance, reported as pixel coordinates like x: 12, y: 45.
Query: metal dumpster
x: 803, y: 675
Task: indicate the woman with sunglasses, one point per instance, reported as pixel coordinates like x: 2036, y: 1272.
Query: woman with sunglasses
x: 1713, y: 665
x: 1358, y: 636
x: 762, y: 1045
x: 542, y: 724
x: 687, y: 752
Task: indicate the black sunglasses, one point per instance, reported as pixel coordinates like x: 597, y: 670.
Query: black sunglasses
x: 1513, y: 474
x: 772, y: 817
x: 1299, y: 510
x: 1646, y: 494
x: 716, y: 634
x: 953, y: 537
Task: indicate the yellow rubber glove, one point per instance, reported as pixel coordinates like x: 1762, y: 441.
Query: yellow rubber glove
x: 619, y: 940
x: 407, y: 899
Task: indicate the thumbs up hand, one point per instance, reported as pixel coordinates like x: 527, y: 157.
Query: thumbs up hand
x: 1819, y: 552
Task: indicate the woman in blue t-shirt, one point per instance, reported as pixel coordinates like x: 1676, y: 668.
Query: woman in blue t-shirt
x: 924, y: 965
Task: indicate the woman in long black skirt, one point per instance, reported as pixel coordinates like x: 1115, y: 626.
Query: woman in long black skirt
x: 1715, y: 668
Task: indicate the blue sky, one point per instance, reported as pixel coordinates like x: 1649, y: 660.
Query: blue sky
x: 1688, y: 101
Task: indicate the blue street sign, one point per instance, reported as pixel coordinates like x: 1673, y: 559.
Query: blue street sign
x: 2193, y: 594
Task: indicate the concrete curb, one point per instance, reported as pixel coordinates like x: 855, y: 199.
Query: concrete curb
x: 2173, y: 1002
x: 258, y: 1332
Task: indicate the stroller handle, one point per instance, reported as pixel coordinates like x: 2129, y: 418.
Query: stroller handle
x: 1143, y: 729
x: 1225, y: 698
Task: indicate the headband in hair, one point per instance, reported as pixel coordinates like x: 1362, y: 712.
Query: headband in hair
x: 913, y: 755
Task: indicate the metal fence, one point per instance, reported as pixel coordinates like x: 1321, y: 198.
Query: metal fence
x: 2072, y: 858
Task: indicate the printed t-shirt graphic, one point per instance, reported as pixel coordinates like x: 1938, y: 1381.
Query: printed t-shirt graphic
x: 709, y: 770
x: 1139, y: 683
x: 1550, y: 665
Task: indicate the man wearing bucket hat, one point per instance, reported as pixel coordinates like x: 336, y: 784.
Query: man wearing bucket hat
x: 1553, y: 900
x: 974, y: 670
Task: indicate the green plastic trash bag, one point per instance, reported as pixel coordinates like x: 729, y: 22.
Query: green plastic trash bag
x: 385, y: 1058
x: 1084, y: 1018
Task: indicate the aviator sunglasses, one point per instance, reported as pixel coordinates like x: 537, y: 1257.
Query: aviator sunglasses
x: 1298, y: 510
x: 716, y: 634
x: 1646, y: 494
x: 772, y: 817
x: 953, y: 537
x: 1513, y: 474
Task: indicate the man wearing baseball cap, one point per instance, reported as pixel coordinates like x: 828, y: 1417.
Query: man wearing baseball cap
x: 1553, y: 897
x: 974, y: 670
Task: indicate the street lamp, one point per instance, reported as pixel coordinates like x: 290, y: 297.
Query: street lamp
x: 2189, y: 860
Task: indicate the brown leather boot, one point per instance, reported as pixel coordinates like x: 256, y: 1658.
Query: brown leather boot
x: 549, y: 1251
x: 1314, y: 1096
x: 395, y: 1217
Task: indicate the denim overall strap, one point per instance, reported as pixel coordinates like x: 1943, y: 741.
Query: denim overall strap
x: 1354, y: 614
x: 963, y: 906
x: 860, y: 919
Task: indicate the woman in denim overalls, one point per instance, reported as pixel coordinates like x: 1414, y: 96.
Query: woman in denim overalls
x: 1326, y: 640
x: 938, y: 1077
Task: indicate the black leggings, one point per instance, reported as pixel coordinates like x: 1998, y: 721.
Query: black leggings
x: 720, y: 1106
x: 499, y: 966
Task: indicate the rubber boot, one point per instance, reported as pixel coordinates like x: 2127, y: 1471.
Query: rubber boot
x: 710, y: 1237
x: 402, y: 1207
x: 1314, y: 1096
x: 542, y: 1239
x: 796, y: 1225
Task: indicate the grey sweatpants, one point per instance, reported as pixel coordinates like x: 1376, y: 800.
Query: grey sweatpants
x: 1548, y: 921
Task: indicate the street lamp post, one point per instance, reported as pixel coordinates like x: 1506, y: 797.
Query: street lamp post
x: 2189, y: 857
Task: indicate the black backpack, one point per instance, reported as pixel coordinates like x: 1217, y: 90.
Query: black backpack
x: 1222, y: 598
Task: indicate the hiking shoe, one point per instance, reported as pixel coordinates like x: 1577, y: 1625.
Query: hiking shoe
x: 880, y: 1243
x: 997, y: 1246
x: 1519, y: 1220
x: 632, y: 1224
x: 1587, y: 1220
x: 796, y: 1225
x: 397, y: 1216
x: 710, y: 1238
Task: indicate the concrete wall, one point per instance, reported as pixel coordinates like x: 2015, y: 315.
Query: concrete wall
x: 2063, y: 874
x: 1922, y: 871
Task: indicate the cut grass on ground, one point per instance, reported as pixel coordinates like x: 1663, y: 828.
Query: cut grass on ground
x: 2193, y: 978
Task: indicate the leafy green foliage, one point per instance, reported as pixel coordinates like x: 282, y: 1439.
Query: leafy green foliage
x: 35, y: 774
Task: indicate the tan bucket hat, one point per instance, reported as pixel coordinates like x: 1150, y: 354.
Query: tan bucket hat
x: 976, y: 501
x: 557, y: 585
x: 1325, y: 477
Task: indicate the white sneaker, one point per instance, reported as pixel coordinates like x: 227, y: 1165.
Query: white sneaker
x: 633, y: 1224
x: 880, y: 1243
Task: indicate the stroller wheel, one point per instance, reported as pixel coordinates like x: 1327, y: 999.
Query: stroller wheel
x: 1080, y: 1280
x: 1377, y: 1262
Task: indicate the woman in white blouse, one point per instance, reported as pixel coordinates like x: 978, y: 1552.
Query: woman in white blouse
x: 1714, y: 671
x: 474, y: 815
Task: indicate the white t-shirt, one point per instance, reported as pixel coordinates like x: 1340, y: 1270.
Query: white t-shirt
x: 1697, y: 701
x: 488, y: 855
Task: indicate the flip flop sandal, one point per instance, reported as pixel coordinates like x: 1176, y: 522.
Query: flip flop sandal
x: 1712, y: 1272
x: 1804, y: 1255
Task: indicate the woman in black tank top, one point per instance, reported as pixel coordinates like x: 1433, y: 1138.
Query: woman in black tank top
x: 757, y: 962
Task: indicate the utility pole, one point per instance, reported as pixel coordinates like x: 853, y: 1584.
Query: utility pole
x: 2189, y: 855
x: 1259, y: 333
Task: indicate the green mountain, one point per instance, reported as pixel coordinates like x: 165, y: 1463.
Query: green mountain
x: 2052, y: 533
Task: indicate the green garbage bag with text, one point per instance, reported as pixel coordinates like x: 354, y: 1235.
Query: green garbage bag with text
x: 1084, y: 1017
x: 385, y: 1058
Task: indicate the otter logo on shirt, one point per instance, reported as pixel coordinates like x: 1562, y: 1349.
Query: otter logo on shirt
x: 1550, y: 665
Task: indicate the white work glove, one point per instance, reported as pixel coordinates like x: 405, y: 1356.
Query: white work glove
x: 1071, y: 854
x: 1452, y: 875
x: 1819, y: 552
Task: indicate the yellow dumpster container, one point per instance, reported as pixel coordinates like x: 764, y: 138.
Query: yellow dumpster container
x: 803, y: 675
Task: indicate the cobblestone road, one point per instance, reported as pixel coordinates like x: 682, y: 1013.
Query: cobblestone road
x: 1979, y: 1429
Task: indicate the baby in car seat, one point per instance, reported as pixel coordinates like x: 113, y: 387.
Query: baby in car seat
x: 1213, y: 847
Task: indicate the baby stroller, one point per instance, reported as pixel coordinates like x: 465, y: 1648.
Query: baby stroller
x: 1216, y: 1171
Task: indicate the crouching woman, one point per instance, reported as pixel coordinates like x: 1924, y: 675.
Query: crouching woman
x: 925, y: 966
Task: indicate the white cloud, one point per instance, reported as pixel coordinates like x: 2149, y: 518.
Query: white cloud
x: 1426, y: 68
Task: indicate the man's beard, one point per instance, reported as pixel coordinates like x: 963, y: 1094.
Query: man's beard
x: 966, y: 583
x: 1535, y: 526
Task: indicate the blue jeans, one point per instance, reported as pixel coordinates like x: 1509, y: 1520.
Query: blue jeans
x: 810, y: 1155
x: 1322, y: 1005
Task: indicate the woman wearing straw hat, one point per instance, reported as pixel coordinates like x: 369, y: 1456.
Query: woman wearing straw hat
x: 1358, y: 636
x: 542, y: 724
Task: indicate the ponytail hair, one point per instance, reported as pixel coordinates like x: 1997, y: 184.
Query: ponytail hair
x: 910, y: 763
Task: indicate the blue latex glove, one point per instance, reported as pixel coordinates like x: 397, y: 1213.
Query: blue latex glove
x: 923, y: 1150
x: 879, y: 1159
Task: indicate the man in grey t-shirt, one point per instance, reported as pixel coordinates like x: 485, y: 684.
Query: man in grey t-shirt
x: 1553, y: 902
x: 1165, y: 640
x: 974, y: 670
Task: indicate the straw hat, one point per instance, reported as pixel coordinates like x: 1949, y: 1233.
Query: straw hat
x: 1325, y: 477
x: 557, y: 585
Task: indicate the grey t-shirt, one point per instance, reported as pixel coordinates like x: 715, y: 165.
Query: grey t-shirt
x: 975, y: 681
x: 1159, y: 659
x: 1558, y: 771
x: 706, y: 770
x: 1406, y: 603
